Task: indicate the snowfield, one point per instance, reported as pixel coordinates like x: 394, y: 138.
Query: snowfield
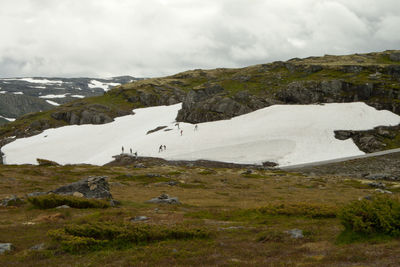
x: 286, y: 134
x: 104, y: 86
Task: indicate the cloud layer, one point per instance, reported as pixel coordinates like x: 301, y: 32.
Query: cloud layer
x: 161, y: 37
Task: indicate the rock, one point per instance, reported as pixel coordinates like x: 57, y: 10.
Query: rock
x: 295, y: 233
x: 11, y: 201
x: 4, y: 247
x: 92, y: 187
x: 247, y: 172
x: 379, y: 176
x: 172, y: 183
x: 138, y: 219
x: 139, y: 165
x: 63, y: 207
x: 377, y: 185
x: 152, y: 175
x: 164, y: 198
x: 343, y: 135
x: 36, y: 194
x: 395, y: 56
x: 378, y: 190
x: 37, y: 247
x: 269, y: 164
x: 156, y: 129
x: 45, y: 162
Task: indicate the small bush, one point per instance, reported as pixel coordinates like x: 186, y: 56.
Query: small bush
x: 379, y: 215
x: 53, y: 201
x: 79, y: 238
x: 300, y: 209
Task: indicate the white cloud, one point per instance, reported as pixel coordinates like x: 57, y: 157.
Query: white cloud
x: 160, y: 37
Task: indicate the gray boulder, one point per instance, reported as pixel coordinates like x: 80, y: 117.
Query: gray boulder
x: 164, y: 199
x: 295, y: 233
x: 11, y: 201
x: 4, y: 247
x: 92, y: 187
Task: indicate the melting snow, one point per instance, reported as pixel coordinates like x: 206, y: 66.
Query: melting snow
x: 53, y: 96
x: 18, y: 93
x: 52, y: 103
x: 104, y: 86
x: 78, y: 96
x: 9, y: 119
x: 286, y: 134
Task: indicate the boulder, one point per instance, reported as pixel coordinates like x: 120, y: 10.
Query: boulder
x: 164, y: 199
x: 4, y: 247
x: 295, y: 233
x: 92, y: 187
x: 395, y: 56
x: 11, y: 201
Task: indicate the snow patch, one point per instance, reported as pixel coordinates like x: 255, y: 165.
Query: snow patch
x: 286, y: 134
x: 78, y: 96
x: 53, y: 96
x: 18, y: 93
x: 9, y: 119
x: 33, y: 80
x: 52, y: 103
x: 104, y: 86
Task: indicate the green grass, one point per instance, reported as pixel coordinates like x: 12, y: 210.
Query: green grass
x: 96, y: 236
x: 52, y: 201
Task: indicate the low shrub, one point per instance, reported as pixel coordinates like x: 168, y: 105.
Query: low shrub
x: 381, y: 215
x: 53, y: 201
x: 300, y: 209
x: 79, y: 238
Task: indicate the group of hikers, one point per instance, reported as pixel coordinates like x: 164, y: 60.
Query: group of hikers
x: 162, y: 147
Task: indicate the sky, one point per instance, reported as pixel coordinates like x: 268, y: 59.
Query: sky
x: 153, y: 38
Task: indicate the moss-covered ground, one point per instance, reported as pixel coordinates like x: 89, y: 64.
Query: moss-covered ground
x: 226, y: 219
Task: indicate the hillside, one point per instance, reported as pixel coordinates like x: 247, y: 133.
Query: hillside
x: 19, y: 96
x: 209, y: 95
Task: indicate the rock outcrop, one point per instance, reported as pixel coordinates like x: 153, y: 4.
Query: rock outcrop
x: 92, y: 187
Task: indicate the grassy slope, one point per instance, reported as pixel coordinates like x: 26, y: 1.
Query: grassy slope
x: 222, y: 200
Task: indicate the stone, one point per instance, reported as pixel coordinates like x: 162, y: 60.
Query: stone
x: 77, y: 194
x: 38, y: 247
x: 377, y: 185
x: 247, y: 172
x: 164, y: 198
x: 395, y: 56
x: 36, y: 194
x: 92, y: 187
x: 378, y: 190
x: 63, y: 207
x: 5, y: 247
x: 11, y: 201
x: 295, y: 233
x: 139, y: 165
x: 138, y: 218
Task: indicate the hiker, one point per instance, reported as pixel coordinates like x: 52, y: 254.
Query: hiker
x: 195, y: 127
x: 122, y: 149
x: 136, y: 155
x: 165, y: 147
x: 160, y: 149
x: 177, y: 124
x: 131, y: 150
x: 181, y: 132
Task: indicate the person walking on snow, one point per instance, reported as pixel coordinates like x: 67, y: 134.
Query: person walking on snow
x: 160, y: 149
x: 195, y: 127
x: 181, y: 132
x: 122, y: 149
x: 165, y: 147
x: 131, y: 150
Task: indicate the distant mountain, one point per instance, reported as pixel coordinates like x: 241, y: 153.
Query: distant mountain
x: 19, y: 96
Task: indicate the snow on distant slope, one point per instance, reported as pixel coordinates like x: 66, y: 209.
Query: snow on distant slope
x: 52, y: 103
x: 9, y: 119
x: 286, y: 134
x: 53, y: 96
x: 104, y: 86
x: 33, y: 80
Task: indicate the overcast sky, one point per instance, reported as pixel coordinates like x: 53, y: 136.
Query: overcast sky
x: 150, y: 38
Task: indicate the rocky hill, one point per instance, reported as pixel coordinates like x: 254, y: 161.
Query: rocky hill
x: 19, y: 96
x: 209, y: 95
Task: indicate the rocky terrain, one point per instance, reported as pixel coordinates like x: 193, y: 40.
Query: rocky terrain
x: 19, y: 96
